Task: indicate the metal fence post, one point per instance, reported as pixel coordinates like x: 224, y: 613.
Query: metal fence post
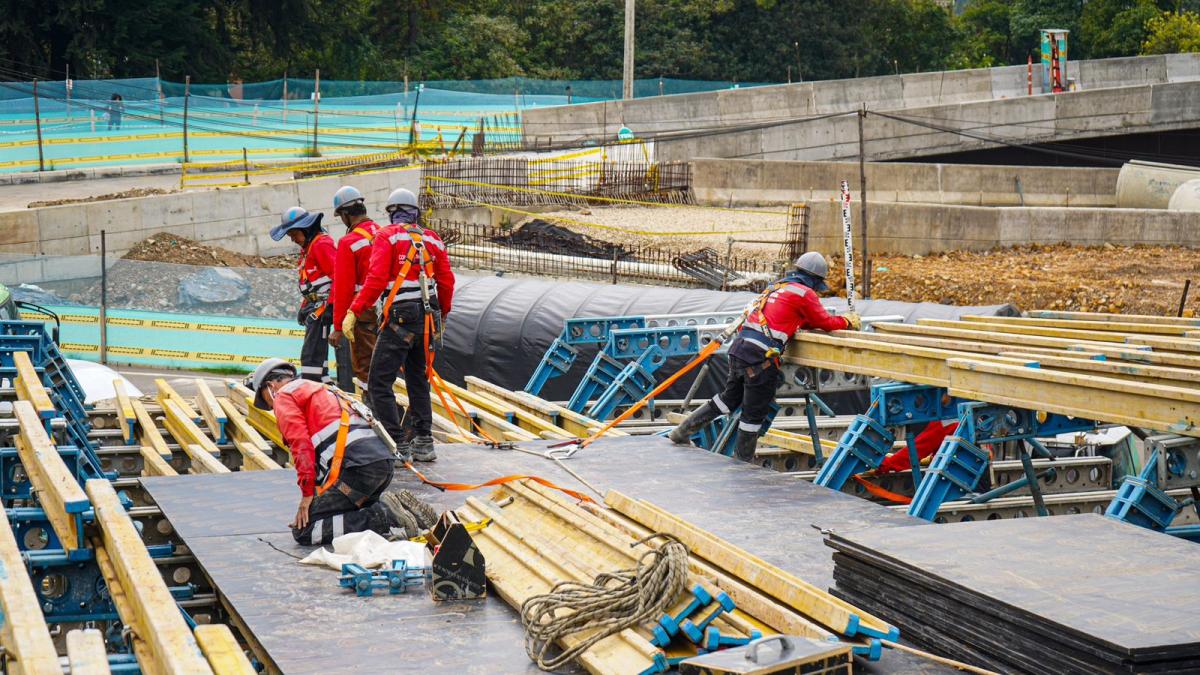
x: 245, y: 167
x: 37, y: 116
x: 103, y: 298
x: 316, y: 111
x: 187, y: 93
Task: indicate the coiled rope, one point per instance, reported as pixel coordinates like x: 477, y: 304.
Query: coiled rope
x: 613, y: 602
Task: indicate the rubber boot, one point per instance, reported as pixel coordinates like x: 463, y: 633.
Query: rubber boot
x: 743, y: 447
x: 403, y: 524
x: 422, y: 449
x: 682, y: 434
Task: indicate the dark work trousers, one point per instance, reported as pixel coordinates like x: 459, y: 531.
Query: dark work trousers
x: 334, y: 512
x: 366, y: 330
x: 752, y: 387
x: 314, y: 353
x: 400, y: 350
x: 345, y: 365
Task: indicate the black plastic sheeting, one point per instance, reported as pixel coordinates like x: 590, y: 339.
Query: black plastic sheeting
x: 500, y: 327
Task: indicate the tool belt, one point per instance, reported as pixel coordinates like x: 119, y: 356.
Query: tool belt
x: 767, y: 364
x: 311, y: 308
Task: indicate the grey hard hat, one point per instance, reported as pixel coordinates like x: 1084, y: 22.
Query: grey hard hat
x: 401, y: 197
x: 260, y: 375
x: 814, y: 265
x: 345, y: 196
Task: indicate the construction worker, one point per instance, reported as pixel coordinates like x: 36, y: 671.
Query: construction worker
x: 350, y: 271
x: 316, y: 282
x: 342, y: 467
x: 791, y: 304
x: 410, y: 263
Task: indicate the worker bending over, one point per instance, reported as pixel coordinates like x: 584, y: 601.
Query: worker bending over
x: 316, y: 281
x: 411, y: 264
x: 342, y: 467
x: 754, y: 374
x: 350, y: 271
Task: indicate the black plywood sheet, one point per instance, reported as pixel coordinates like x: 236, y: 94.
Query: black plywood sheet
x: 1110, y: 591
x: 307, y: 624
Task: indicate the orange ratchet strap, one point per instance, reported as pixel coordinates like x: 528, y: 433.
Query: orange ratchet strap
x: 881, y: 492
x: 497, y: 481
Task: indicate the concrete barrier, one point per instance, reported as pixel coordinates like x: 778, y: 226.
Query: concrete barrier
x: 765, y: 182
x: 237, y: 218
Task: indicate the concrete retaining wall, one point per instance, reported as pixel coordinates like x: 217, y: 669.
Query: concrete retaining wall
x: 913, y: 229
x: 755, y: 181
x: 234, y: 218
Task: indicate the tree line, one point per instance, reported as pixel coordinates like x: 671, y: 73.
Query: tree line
x: 739, y: 40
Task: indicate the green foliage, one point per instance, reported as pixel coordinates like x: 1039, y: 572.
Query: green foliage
x: 741, y: 40
x: 1169, y: 33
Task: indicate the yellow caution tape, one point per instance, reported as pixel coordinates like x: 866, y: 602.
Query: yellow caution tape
x: 169, y: 324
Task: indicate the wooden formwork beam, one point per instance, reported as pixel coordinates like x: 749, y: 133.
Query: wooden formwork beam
x: 501, y: 409
x: 1083, y: 324
x: 166, y: 392
x: 126, y: 416
x: 253, y: 447
x: 980, y: 333
x: 30, y: 388
x: 150, y: 610
x: 222, y: 650
x: 1166, y: 344
x: 1164, y: 375
x: 153, y: 463
x: 1103, y: 316
x: 1158, y: 407
x: 57, y: 489
x: 1041, y: 331
x: 23, y: 632
x: 86, y: 653
x: 496, y: 427
x: 993, y: 348
x: 811, y: 601
x: 147, y: 431
x: 210, y: 410
x: 575, y: 424
x: 205, y: 456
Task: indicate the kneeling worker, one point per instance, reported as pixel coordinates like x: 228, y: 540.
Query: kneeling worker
x: 410, y: 262
x: 790, y: 305
x: 343, y: 468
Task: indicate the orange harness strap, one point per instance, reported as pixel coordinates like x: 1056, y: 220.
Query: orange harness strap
x: 498, y: 481
x: 881, y: 492
x: 339, y: 449
x: 369, y: 236
x: 410, y: 257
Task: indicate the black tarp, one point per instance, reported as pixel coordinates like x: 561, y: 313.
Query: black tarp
x: 500, y: 327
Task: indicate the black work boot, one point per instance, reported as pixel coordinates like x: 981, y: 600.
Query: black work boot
x: 682, y: 434
x: 402, y: 523
x: 425, y: 514
x: 743, y: 447
x: 422, y: 449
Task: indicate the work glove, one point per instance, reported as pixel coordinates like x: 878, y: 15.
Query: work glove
x: 853, y: 320
x: 348, y: 325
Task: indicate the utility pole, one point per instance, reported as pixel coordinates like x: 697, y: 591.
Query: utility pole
x: 37, y: 116
x: 316, y: 110
x: 67, y: 85
x: 862, y: 187
x: 187, y: 93
x: 627, y: 77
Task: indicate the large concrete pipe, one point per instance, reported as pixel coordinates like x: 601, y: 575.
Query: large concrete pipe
x: 1150, y: 185
x: 1186, y: 197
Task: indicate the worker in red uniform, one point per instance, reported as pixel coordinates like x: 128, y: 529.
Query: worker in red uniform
x: 410, y: 263
x: 316, y: 282
x: 350, y: 271
x: 788, y: 306
x: 342, y: 467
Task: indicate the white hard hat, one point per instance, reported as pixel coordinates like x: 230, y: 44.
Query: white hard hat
x: 260, y: 375
x: 401, y: 197
x: 346, y: 195
x: 814, y: 265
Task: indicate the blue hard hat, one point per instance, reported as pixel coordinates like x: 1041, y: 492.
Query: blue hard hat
x: 295, y: 218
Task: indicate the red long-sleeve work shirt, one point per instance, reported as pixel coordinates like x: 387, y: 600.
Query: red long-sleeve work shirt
x: 788, y: 309
x: 350, y: 267
x: 317, y: 267
x: 387, y: 258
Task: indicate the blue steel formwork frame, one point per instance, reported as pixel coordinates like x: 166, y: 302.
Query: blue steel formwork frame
x: 960, y: 463
x: 1143, y: 499
x: 68, y: 583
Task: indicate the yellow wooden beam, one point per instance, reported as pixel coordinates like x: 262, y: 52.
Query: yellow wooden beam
x: 254, y: 448
x: 167, y: 392
x: 210, y: 410
x: 30, y: 388
x: 576, y: 424
x: 497, y: 428
x: 1081, y: 324
x: 1128, y: 353
x: 795, y: 442
x: 126, y: 417
x: 121, y: 601
x: 809, y: 600
x: 155, y: 617
x: 976, y: 333
x: 1162, y: 408
x: 523, y: 419
x: 23, y: 632
x: 148, y: 434
x: 86, y: 653
x: 241, y: 396
x: 222, y: 650
x: 203, y: 452
x: 1166, y: 344
x: 994, y: 348
x: 57, y: 490
x: 1103, y: 316
x: 153, y: 463
x: 1041, y: 331
x: 1175, y: 377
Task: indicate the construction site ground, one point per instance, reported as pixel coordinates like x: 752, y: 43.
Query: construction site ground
x: 235, y: 525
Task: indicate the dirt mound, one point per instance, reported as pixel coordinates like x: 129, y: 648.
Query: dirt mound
x: 135, y: 192
x: 170, y: 248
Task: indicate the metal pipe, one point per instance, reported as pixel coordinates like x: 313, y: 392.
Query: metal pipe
x: 691, y: 393
x: 862, y: 186
x: 37, y: 117
x: 1006, y: 488
x: 812, y: 429
x: 1031, y: 479
x: 103, y: 298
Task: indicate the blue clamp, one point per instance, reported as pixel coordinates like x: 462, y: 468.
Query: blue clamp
x: 713, y: 640
x: 694, y: 630
x: 668, y: 626
x: 397, y: 578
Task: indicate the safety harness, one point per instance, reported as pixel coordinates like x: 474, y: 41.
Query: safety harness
x: 425, y: 270
x: 761, y: 325
x: 305, y: 286
x: 349, y: 406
